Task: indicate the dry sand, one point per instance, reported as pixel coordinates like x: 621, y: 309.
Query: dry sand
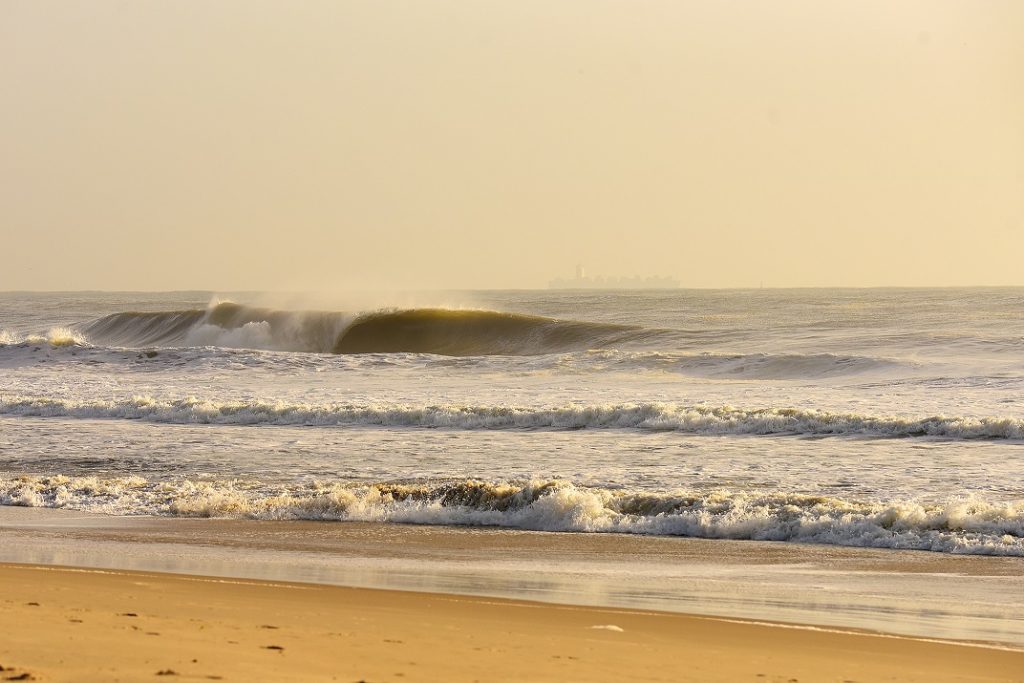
x: 63, y: 624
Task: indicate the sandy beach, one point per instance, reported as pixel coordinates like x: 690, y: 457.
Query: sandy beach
x: 67, y: 624
x: 917, y: 594
x: 471, y: 342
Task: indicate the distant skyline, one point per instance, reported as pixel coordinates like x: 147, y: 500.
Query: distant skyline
x: 339, y: 145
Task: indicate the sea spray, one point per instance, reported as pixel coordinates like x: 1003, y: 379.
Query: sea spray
x: 958, y: 525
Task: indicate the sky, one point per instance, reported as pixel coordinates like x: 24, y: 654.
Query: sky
x: 447, y: 144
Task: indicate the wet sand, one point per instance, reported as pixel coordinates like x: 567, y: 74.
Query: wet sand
x: 65, y: 624
x: 931, y: 595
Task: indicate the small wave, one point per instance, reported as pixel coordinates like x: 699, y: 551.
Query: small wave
x: 427, y: 330
x: 56, y: 337
x: 730, y: 366
x: 689, y: 419
x: 956, y: 526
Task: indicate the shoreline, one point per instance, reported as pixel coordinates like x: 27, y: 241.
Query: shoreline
x: 134, y: 625
x: 903, y: 593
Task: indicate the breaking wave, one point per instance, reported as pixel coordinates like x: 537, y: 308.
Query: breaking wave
x: 690, y: 419
x: 425, y: 330
x: 565, y: 345
x: 965, y: 526
x: 56, y: 337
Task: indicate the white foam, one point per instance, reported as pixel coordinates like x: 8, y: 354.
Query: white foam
x: 690, y: 419
x: 55, y: 336
x: 253, y: 335
x: 959, y: 525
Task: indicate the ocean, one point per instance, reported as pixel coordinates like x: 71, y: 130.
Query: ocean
x: 880, y: 418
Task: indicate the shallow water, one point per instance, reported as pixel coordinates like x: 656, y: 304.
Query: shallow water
x: 927, y: 595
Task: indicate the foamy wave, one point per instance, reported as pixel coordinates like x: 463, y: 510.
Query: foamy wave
x: 252, y: 335
x: 690, y: 419
x: 56, y: 336
x: 956, y: 526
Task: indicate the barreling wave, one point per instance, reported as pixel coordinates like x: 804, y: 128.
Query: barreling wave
x: 426, y: 330
x: 224, y: 324
x: 967, y: 526
x: 476, y: 333
x: 688, y: 419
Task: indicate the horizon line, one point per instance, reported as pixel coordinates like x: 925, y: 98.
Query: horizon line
x: 496, y: 289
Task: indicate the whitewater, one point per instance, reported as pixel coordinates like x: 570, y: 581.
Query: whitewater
x: 872, y: 418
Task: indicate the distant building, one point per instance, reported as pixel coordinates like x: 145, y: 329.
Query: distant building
x: 582, y: 281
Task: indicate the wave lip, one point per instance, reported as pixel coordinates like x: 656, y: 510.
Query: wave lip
x: 423, y: 330
x: 688, y: 419
x: 964, y: 526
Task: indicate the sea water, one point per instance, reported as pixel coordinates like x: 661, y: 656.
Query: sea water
x: 876, y: 418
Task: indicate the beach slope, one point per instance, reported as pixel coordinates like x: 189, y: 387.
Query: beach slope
x: 66, y: 624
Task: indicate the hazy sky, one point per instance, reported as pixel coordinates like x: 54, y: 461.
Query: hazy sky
x: 215, y: 144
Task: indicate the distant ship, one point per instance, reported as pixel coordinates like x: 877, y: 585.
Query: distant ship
x: 583, y: 281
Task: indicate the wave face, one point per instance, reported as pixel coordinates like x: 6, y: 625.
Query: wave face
x: 688, y: 419
x: 224, y: 324
x: 475, y: 333
x: 426, y: 330
x: 144, y: 329
x: 956, y: 526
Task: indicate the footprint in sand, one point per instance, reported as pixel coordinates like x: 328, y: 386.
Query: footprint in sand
x: 12, y: 675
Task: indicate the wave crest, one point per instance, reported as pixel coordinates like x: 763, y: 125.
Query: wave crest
x: 56, y: 337
x: 956, y: 526
x: 689, y: 419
